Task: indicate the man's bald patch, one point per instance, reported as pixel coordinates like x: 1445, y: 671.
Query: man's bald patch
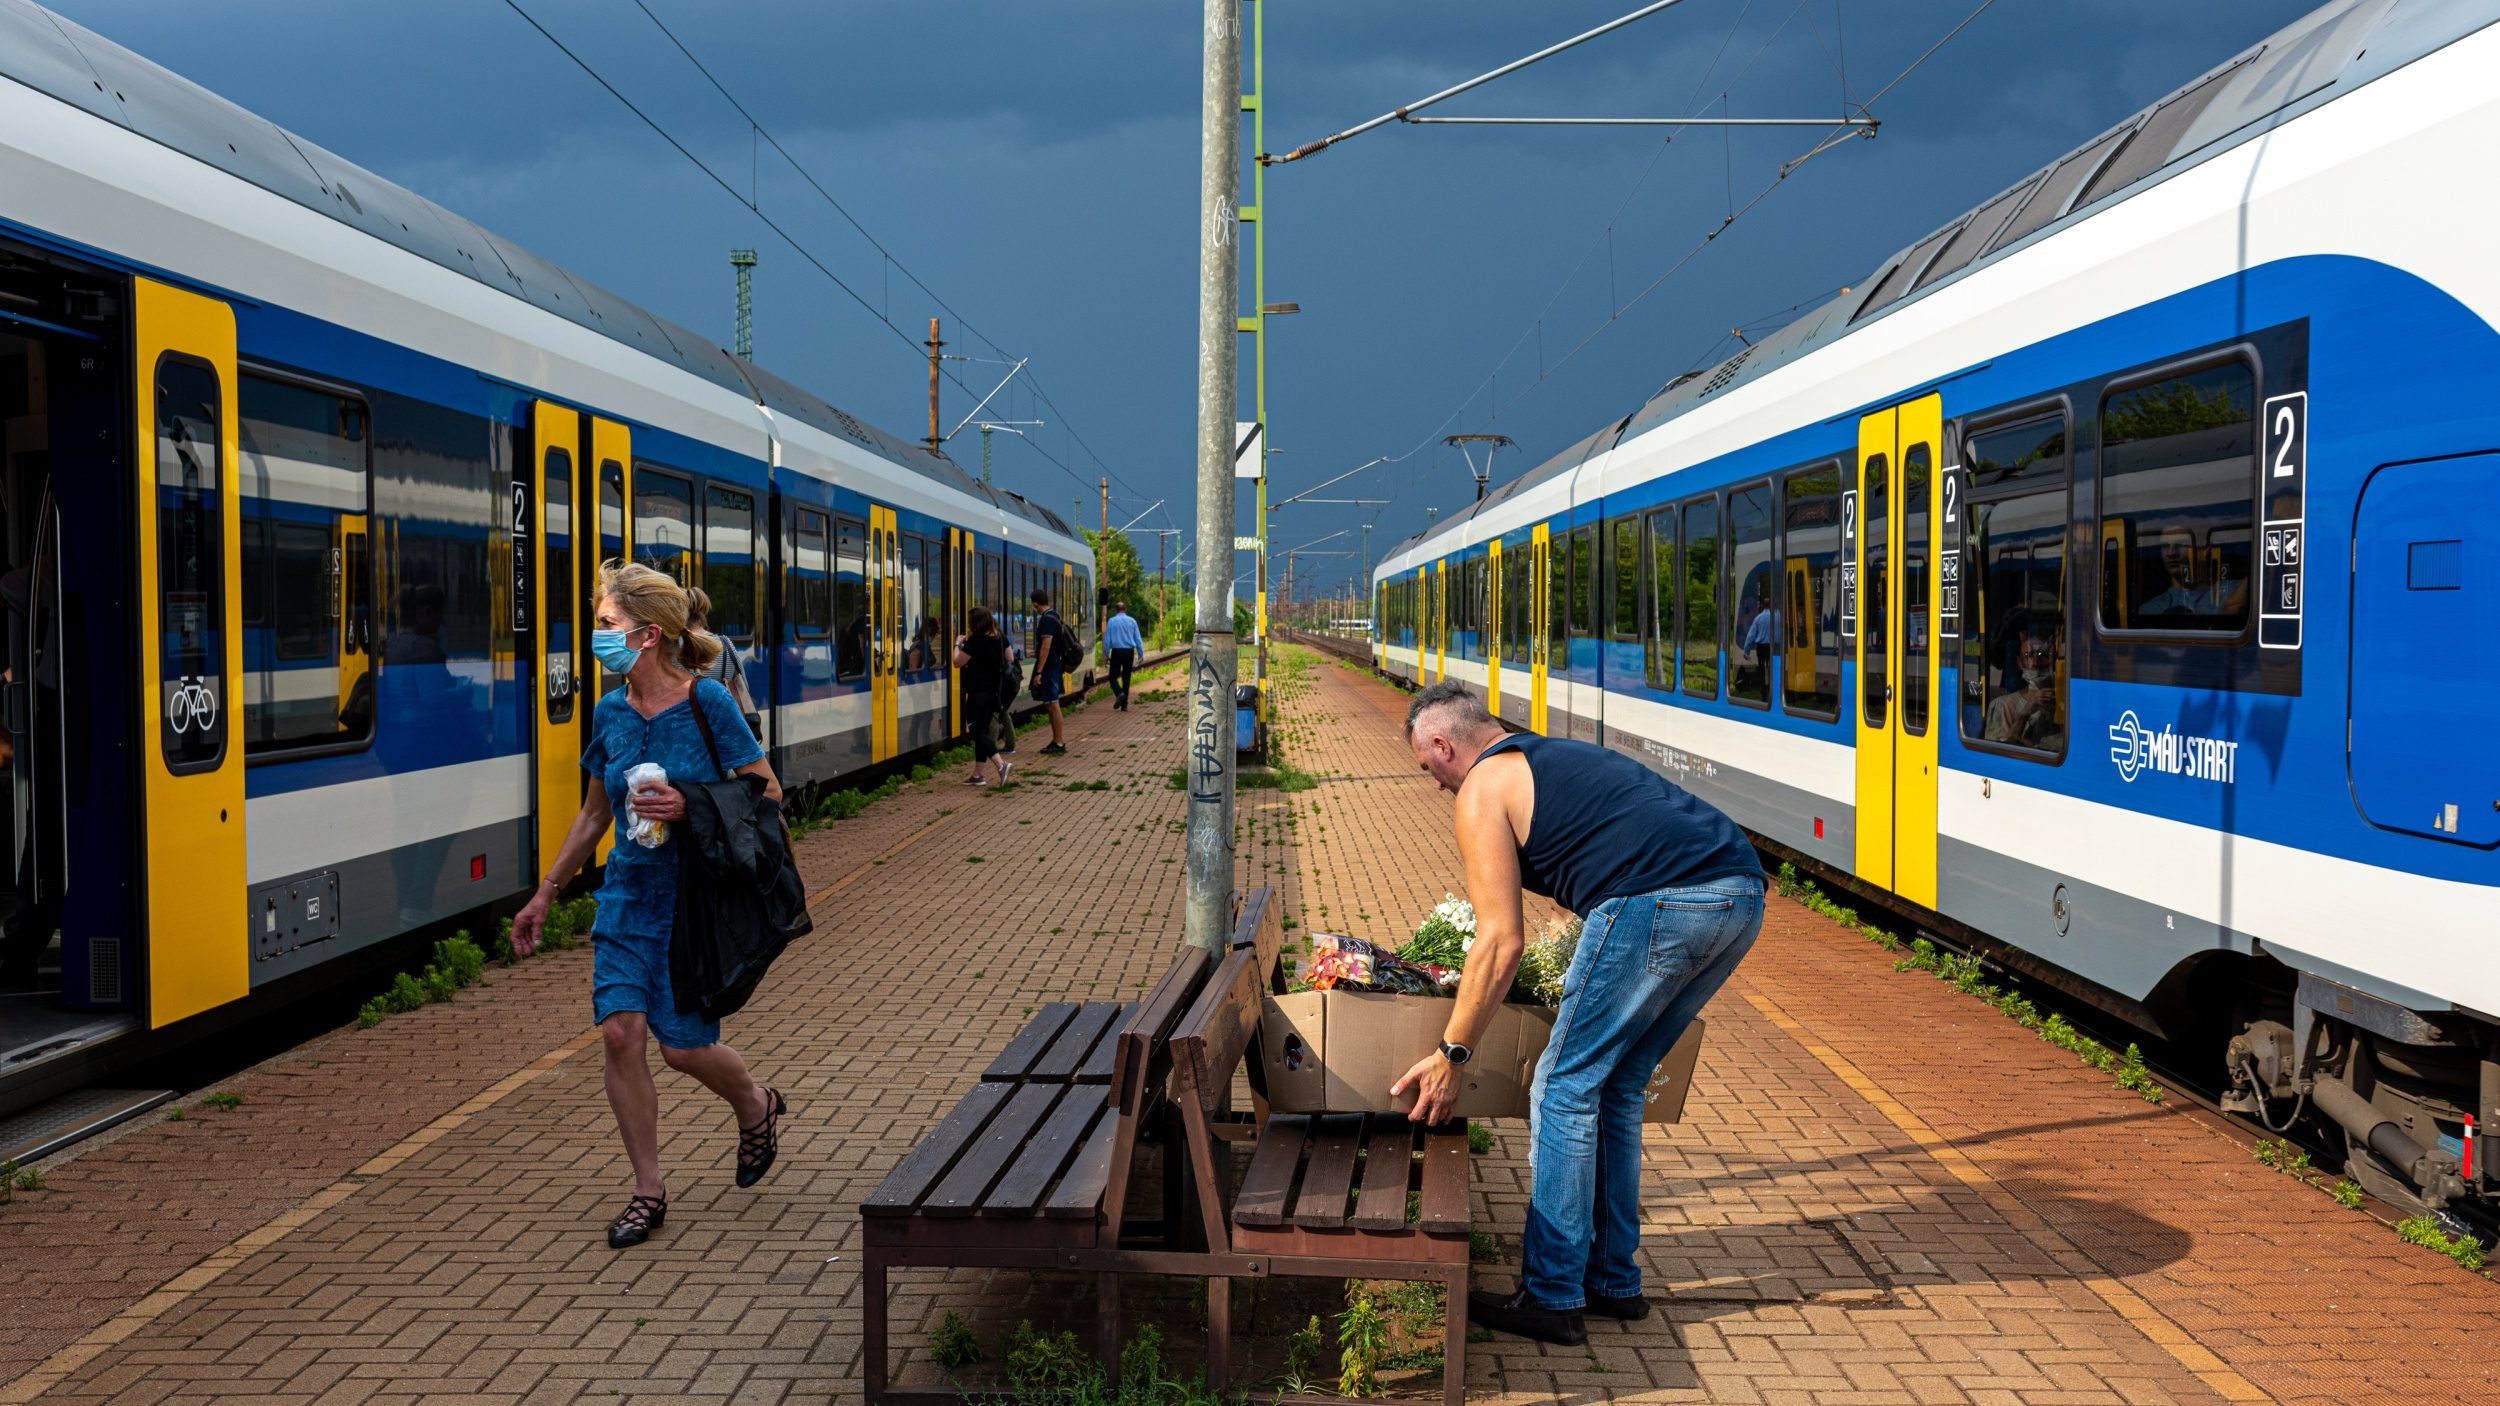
x: 1451, y: 709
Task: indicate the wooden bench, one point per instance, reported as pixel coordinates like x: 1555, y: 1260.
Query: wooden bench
x: 1031, y: 1169
x: 1324, y: 1196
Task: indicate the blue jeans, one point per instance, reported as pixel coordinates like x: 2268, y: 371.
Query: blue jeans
x: 1644, y: 968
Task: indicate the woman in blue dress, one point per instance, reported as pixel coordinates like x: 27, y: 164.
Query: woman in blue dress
x: 642, y: 633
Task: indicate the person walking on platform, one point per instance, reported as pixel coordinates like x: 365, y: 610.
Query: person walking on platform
x: 727, y: 667
x: 1120, y: 636
x: 1670, y: 895
x: 1054, y: 653
x: 982, y: 657
x: 641, y: 632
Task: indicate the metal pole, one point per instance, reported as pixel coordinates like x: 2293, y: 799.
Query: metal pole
x: 985, y: 453
x: 935, y: 439
x: 1404, y: 114
x: 1256, y: 105
x: 743, y: 260
x: 1213, y: 653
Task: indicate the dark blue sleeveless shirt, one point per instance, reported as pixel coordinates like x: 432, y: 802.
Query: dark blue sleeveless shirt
x: 1606, y: 826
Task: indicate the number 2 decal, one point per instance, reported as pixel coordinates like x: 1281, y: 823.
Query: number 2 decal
x: 2287, y: 435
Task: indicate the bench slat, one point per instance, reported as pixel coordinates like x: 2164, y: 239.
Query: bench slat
x: 1388, y: 1169
x: 1142, y: 1034
x: 986, y: 1159
x: 921, y: 1168
x: 1220, y: 1026
x: 1021, y: 1191
x: 1080, y: 1191
x: 1445, y: 1178
x: 1268, y: 1185
x: 1058, y: 1064
x: 1016, y: 1061
x: 1329, y: 1179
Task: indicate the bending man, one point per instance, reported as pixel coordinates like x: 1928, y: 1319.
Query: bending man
x: 1669, y: 893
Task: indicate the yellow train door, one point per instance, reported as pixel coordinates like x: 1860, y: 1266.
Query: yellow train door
x: 1540, y: 611
x: 611, y: 451
x: 549, y: 490
x: 1897, y: 535
x: 189, y: 548
x: 1491, y: 634
x: 958, y: 547
x: 1440, y: 579
x: 885, y: 593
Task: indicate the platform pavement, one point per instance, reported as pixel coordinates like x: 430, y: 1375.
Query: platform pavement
x: 1883, y: 1192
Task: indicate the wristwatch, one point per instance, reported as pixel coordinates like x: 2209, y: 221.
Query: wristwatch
x: 1456, y: 1054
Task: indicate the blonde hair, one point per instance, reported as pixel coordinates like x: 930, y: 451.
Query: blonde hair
x: 649, y: 597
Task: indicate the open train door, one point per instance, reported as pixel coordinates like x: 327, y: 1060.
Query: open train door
x: 1897, y: 557
x: 544, y: 504
x: 189, y: 549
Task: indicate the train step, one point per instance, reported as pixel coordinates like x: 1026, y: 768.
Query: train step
x: 47, y: 1128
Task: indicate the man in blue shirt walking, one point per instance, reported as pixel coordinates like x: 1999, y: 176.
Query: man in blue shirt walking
x: 1121, y: 637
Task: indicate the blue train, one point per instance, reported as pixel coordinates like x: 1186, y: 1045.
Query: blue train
x: 2100, y: 578
x: 305, y: 479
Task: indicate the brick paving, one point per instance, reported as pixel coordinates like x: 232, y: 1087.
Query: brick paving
x: 1883, y: 1191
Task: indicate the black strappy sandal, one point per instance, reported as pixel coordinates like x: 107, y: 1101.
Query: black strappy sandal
x: 643, y: 1214
x: 759, y: 1145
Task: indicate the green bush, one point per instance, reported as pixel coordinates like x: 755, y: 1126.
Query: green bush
x: 952, y: 1345
x: 2426, y: 1232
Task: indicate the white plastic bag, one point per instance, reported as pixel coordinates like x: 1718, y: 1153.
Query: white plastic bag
x: 650, y: 834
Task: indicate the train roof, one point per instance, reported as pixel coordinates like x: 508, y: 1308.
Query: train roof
x: 2330, y: 50
x: 75, y: 65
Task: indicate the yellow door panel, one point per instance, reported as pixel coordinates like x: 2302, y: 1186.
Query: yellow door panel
x: 1919, y: 534
x: 954, y: 628
x: 1492, y: 632
x: 190, y: 554
x: 1877, y: 649
x: 556, y: 539
x: 884, y: 601
x: 1540, y: 609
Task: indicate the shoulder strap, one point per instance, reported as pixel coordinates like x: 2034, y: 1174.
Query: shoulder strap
x: 694, y: 700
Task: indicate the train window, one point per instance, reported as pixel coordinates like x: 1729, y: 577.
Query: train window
x: 1625, y: 565
x: 2048, y: 199
x: 1660, y: 650
x: 729, y: 561
x: 1874, y: 597
x: 2013, y: 671
x: 1756, y: 623
x: 933, y: 603
x: 557, y: 587
x: 611, y: 509
x: 2178, y: 471
x: 1697, y: 595
x: 307, y: 496
x: 1584, y: 581
x: 912, y: 617
x: 1558, y: 600
x: 191, y: 589
x: 1518, y: 561
x: 1918, y: 471
x: 1808, y: 627
x: 664, y: 523
x: 850, y: 598
x: 811, y: 575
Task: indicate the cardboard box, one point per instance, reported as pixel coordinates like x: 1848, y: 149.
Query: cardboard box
x: 1339, y: 1051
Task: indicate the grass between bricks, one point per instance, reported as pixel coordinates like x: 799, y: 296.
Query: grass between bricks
x: 1968, y: 976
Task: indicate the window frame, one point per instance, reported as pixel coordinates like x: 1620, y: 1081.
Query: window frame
x: 802, y: 625
x: 647, y: 478
x: 1842, y: 468
x: 279, y: 751
x: 703, y: 553
x: 2241, y: 353
x: 1729, y: 586
x: 1968, y: 428
x: 1684, y: 576
x: 1612, y: 576
x: 1581, y: 597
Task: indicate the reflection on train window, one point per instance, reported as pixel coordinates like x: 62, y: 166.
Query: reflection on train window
x: 1517, y: 609
x: 2013, y: 670
x: 729, y: 561
x: 1808, y: 628
x: 913, y: 619
x: 1583, y: 580
x: 811, y: 575
x: 557, y: 587
x: 611, y: 510
x: 1698, y: 598
x: 1917, y: 482
x: 2178, y: 472
x: 1625, y: 569
x: 1756, y: 622
x: 190, y: 576
x: 1659, y: 648
x: 307, y: 587
x: 850, y: 598
x: 1558, y: 601
x: 664, y: 523
x: 1874, y: 597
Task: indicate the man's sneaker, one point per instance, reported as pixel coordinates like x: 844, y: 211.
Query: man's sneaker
x: 1630, y: 1310
x: 1512, y: 1313
x: 1054, y: 750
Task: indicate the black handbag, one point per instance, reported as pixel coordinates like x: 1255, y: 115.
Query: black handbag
x: 740, y: 900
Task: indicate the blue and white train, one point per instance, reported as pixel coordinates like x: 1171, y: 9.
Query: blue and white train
x: 2103, y: 578
x: 304, y: 482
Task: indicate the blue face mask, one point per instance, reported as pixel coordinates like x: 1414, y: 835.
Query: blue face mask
x: 609, y: 648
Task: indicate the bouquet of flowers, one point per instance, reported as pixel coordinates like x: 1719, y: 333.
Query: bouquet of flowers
x: 1545, y: 962
x: 1355, y: 965
x: 1445, y: 934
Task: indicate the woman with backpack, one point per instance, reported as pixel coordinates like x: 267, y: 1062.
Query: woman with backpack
x: 641, y: 633
x: 727, y: 667
x: 991, y: 672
